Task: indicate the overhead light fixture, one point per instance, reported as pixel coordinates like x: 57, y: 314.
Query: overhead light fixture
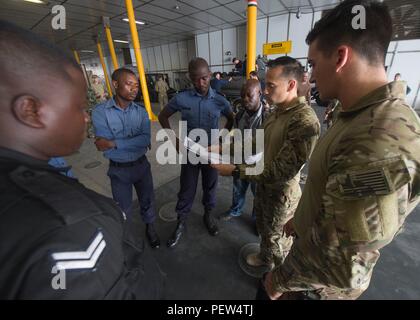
x: 121, y: 41
x: 35, y: 1
x: 138, y: 22
x: 86, y: 51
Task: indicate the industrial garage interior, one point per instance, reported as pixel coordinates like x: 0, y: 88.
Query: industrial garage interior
x: 170, y: 34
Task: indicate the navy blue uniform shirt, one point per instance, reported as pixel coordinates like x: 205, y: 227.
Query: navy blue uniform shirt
x: 129, y: 128
x: 200, y: 111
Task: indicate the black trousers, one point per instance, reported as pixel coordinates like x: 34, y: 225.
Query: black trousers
x: 189, y: 180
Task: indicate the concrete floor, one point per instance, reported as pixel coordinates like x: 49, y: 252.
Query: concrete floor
x: 205, y: 267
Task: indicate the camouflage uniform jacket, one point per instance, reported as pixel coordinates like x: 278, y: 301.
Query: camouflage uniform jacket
x: 363, y: 181
x: 290, y: 134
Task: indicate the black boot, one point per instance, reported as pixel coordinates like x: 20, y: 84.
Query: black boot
x: 210, y: 223
x: 152, y: 236
x: 176, y: 236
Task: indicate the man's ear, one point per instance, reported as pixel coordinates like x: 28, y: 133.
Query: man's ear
x: 115, y: 84
x: 343, y: 57
x: 292, y: 84
x: 26, y: 109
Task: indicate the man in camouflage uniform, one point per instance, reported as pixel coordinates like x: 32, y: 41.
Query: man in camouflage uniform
x: 162, y: 88
x: 364, y: 174
x: 290, y: 134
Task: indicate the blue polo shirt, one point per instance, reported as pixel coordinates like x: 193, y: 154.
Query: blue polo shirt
x: 129, y: 128
x: 200, y: 111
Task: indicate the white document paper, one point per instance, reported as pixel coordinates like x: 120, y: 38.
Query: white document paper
x: 202, y: 152
x: 254, y: 158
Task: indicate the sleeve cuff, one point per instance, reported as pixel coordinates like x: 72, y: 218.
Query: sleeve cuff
x: 242, y: 171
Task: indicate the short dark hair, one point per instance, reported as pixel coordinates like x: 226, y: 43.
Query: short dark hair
x: 197, y: 63
x: 292, y: 68
x: 217, y: 73
x: 116, y: 75
x: 335, y: 28
x: 253, y: 73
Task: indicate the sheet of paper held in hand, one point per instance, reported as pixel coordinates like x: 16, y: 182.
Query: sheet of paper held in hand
x: 202, y: 152
x: 212, y: 157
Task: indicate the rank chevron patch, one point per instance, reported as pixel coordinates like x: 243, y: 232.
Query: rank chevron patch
x: 72, y: 260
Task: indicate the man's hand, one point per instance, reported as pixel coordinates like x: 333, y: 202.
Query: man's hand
x: 103, y: 144
x: 224, y: 169
x: 289, y: 229
x: 268, y: 285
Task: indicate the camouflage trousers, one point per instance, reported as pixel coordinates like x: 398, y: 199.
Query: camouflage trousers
x: 273, y: 209
x: 90, y: 130
x: 163, y: 100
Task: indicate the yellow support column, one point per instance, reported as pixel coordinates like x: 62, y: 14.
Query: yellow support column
x: 251, y: 44
x: 107, y: 27
x: 101, y: 57
x: 139, y: 60
x: 76, y: 56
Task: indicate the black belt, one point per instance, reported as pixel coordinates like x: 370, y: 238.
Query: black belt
x: 127, y: 164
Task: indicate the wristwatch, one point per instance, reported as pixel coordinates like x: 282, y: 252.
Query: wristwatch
x: 236, y: 173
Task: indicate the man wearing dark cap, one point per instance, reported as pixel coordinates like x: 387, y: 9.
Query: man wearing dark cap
x: 58, y: 240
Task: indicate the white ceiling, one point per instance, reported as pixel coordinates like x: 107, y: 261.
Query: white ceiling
x: 164, y: 23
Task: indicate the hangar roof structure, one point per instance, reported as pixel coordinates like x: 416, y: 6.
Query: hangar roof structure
x: 165, y: 20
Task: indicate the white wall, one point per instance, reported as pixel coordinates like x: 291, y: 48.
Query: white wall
x: 241, y: 41
x: 216, y: 52
x: 159, y: 58
x: 261, y: 34
x: 298, y: 31
x: 229, y: 48
x: 173, y: 51
x: 277, y: 30
x: 191, y: 50
x: 152, y: 60
x: 203, y: 48
x: 183, y: 55
x: 167, y: 62
x: 404, y: 57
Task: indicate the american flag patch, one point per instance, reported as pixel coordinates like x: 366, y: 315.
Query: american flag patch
x: 365, y: 183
